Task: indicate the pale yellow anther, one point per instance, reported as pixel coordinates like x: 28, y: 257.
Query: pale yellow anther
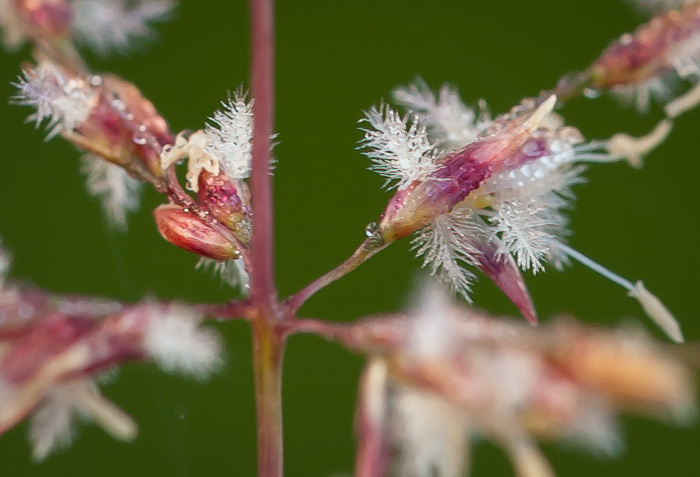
x: 683, y: 103
x: 657, y: 312
x: 194, y: 147
x: 111, y: 418
x: 542, y: 111
x: 635, y: 148
x: 528, y: 460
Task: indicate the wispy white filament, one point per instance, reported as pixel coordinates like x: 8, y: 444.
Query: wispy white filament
x: 446, y: 246
x: 231, y: 272
x: 230, y: 136
x: 449, y: 122
x: 53, y: 423
x: 63, y: 102
x: 177, y: 343
x: 400, y: 150
x: 106, y: 25
x: 431, y: 433
x: 523, y: 231
x: 118, y: 192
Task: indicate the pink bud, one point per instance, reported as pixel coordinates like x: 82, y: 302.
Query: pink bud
x: 187, y: 231
x: 143, y: 131
x: 49, y: 18
x: 652, y: 50
x: 227, y: 201
x: 462, y: 172
x: 506, y: 275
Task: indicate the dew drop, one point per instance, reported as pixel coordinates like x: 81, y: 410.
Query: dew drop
x: 371, y: 229
x: 118, y: 104
x: 180, y: 412
x: 139, y: 138
x: 534, y: 148
x: 591, y: 93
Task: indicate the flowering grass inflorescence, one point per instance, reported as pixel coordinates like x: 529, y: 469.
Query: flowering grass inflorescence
x: 489, y: 194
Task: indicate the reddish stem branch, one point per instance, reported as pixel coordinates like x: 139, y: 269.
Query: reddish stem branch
x: 228, y: 311
x: 327, y: 329
x: 263, y: 291
x: 364, y: 252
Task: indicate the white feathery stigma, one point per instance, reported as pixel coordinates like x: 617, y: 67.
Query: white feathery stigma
x: 225, y: 145
x: 53, y: 423
x: 232, y: 272
x: 446, y: 246
x: 230, y: 137
x: 522, y: 229
x: 400, y: 151
x: 450, y: 123
x: 177, y: 343
x: 432, y: 323
x: 432, y: 434
x: 641, y: 95
x: 685, y: 58
x: 596, y: 429
x: 64, y: 102
x: 119, y: 193
x: 107, y: 25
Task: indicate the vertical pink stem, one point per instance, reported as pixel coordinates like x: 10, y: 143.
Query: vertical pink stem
x: 268, y: 344
x: 263, y: 293
x: 268, y: 353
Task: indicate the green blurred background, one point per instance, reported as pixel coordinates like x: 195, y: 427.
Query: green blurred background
x: 335, y: 59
